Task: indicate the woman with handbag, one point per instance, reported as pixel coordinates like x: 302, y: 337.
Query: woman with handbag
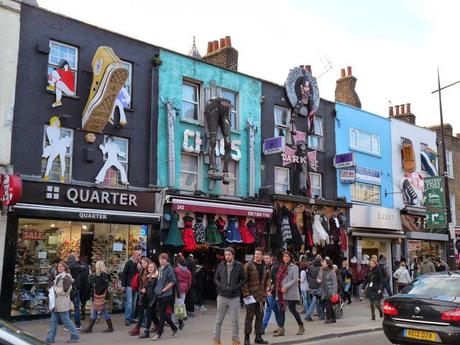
x: 141, y: 285
x: 184, y: 282
x: 60, y: 295
x: 99, y: 284
x: 328, y: 287
x: 373, y: 287
x: 150, y: 300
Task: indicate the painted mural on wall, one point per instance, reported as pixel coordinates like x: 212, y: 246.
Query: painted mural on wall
x: 111, y: 151
x: 109, y: 77
x: 56, y: 149
x: 428, y: 158
x: 61, y: 80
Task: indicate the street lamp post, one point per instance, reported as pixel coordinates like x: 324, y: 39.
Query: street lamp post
x: 450, y: 246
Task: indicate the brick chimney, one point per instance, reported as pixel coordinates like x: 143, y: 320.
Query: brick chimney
x: 345, y: 89
x: 221, y: 53
x: 403, y: 112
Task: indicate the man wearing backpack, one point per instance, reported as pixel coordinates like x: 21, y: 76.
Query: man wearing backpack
x: 313, y: 274
x: 127, y: 276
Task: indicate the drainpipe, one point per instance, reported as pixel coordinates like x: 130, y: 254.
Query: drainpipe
x: 252, y: 160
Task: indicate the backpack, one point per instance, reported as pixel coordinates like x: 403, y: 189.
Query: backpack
x: 135, y: 282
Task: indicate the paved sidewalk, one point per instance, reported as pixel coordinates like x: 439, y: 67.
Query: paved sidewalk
x: 198, y: 330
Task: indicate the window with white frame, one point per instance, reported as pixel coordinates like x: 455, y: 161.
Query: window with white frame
x: 50, y: 144
x: 450, y: 166
x: 128, y: 84
x: 113, y: 175
x: 363, y: 141
x: 453, y: 212
x: 190, y: 100
x: 316, y: 184
x: 59, y: 53
x: 366, y: 193
x: 282, y: 184
x: 282, y: 119
x: 189, y: 171
x: 315, y: 140
x: 233, y: 98
x: 231, y: 188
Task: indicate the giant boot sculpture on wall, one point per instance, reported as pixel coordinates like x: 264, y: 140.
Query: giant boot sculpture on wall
x: 109, y: 76
x: 217, y: 113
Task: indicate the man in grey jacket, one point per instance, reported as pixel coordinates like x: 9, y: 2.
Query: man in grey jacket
x: 229, y: 279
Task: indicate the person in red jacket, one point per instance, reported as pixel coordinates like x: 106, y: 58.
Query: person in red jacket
x: 184, y: 281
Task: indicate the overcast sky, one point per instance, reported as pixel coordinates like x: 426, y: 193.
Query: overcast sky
x: 394, y: 46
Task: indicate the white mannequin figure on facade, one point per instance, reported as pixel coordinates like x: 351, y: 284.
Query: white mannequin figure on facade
x: 113, y: 151
x: 57, y: 147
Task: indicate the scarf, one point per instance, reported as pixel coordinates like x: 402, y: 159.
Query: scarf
x: 280, y: 275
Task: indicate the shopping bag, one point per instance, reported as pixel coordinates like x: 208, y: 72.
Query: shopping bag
x: 51, y: 298
x: 179, y: 309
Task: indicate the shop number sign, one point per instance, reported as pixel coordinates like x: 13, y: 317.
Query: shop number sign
x: 32, y: 235
x: 435, y: 202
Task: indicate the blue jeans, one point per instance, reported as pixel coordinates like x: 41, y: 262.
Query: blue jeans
x: 314, y: 303
x: 65, y: 318
x: 306, y: 297
x: 76, y: 306
x: 271, y: 306
x: 130, y: 301
x: 104, y: 313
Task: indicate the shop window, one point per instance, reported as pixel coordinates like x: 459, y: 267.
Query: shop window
x: 55, y: 172
x: 233, y: 98
x: 315, y: 140
x: 60, y: 52
x: 129, y: 83
x: 189, y: 171
x: 366, y: 193
x: 365, y: 142
x: 316, y: 185
x: 282, y: 184
x: 190, y: 100
x: 282, y: 119
x: 41, y: 241
x: 450, y: 166
x: 113, y: 175
x: 231, y: 188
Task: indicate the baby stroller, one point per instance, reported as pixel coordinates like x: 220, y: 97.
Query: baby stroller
x: 338, y: 304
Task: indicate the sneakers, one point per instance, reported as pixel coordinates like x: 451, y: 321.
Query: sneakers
x: 409, y: 192
x: 109, y: 76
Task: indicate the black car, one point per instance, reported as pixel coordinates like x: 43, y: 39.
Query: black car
x: 10, y: 335
x: 425, y: 312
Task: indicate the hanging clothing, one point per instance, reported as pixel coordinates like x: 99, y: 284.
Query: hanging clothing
x: 253, y: 230
x: 174, y: 237
x: 233, y: 235
x: 286, y: 234
x: 320, y: 236
x: 221, y: 223
x: 343, y: 240
x: 334, y: 230
x: 246, y: 235
x: 187, y: 235
x: 200, y: 232
x: 296, y: 236
x: 212, y: 234
x: 308, y: 228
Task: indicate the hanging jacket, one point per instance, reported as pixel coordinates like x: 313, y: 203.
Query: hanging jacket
x: 334, y: 230
x: 308, y: 228
x: 200, y: 232
x: 296, y: 236
x: 343, y: 239
x: 246, y: 236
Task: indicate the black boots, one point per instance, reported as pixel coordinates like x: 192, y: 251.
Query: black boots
x: 260, y: 340
x: 89, y: 329
x: 145, y: 335
x: 247, y: 340
x: 109, y: 327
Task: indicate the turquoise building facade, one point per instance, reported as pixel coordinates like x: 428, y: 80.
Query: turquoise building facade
x: 186, y: 83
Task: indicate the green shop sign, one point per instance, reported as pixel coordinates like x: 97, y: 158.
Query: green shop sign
x: 435, y: 202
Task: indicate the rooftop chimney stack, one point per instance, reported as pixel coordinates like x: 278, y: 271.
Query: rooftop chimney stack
x: 403, y: 112
x: 391, y: 112
x: 397, y: 110
x: 224, y: 55
x: 345, y: 89
x: 401, y: 107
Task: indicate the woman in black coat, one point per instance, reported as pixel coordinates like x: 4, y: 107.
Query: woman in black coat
x: 373, y: 287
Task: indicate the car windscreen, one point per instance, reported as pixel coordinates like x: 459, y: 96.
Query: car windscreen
x: 10, y: 329
x: 443, y: 288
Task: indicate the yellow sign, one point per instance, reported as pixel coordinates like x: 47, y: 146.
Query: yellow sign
x: 421, y: 335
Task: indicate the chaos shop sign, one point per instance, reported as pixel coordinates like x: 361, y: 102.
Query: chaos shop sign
x: 193, y: 143
x: 435, y: 202
x: 86, y: 197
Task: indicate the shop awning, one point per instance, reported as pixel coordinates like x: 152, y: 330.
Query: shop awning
x: 427, y: 236
x: 378, y: 234
x: 221, y: 207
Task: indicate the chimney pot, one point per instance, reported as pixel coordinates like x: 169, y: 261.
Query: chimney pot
x: 342, y: 73
x: 308, y: 68
x: 396, y: 110
x: 228, y: 41
x: 401, y: 107
x: 408, y: 108
x: 215, y: 45
x: 349, y: 71
x: 210, y: 47
x: 391, y: 112
x: 222, y: 43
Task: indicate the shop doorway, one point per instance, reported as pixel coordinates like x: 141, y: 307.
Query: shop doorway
x: 86, y: 245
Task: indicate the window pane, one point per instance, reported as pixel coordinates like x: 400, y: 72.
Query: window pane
x: 364, y: 141
x: 353, y: 139
x: 230, y: 96
x: 189, y: 93
x: 280, y: 132
x: 233, y: 120
x: 230, y: 189
x: 315, y: 142
x: 188, y: 181
x: 318, y: 126
x: 189, y: 163
x: 281, y: 116
x: 281, y: 180
x: 375, y: 144
x: 190, y: 110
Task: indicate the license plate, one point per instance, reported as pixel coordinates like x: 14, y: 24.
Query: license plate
x: 420, y: 335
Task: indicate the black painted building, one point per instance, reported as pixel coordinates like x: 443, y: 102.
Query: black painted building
x: 297, y: 170
x: 90, y: 194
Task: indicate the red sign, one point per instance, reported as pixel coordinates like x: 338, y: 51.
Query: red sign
x: 10, y: 189
x: 32, y: 235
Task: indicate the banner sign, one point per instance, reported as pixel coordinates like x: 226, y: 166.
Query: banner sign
x: 273, y: 145
x: 368, y: 175
x: 344, y: 160
x: 435, y: 202
x: 347, y: 175
x: 10, y: 189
